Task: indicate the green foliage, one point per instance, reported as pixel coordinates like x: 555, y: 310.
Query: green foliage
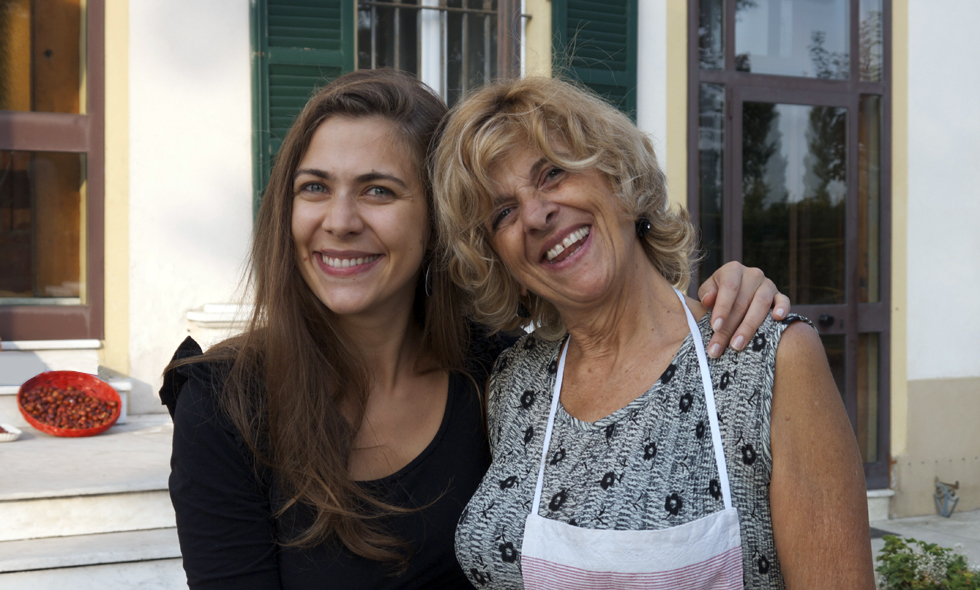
x: 918, y: 565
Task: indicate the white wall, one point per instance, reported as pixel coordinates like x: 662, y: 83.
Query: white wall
x: 944, y: 191
x: 190, y: 171
x: 651, y: 74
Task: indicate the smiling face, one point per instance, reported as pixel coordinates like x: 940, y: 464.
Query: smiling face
x: 562, y: 235
x: 360, y: 223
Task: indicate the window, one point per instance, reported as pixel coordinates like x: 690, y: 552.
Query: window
x: 788, y: 167
x: 453, y: 45
x: 51, y: 169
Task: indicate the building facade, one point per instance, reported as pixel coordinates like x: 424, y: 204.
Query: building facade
x: 829, y: 142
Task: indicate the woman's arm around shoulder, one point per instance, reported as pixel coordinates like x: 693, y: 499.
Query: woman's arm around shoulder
x: 818, y: 497
x: 224, y: 519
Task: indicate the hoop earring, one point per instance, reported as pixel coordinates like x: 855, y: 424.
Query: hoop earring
x: 428, y: 280
x: 643, y: 227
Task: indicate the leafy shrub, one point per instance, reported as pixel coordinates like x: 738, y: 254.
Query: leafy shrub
x: 918, y: 565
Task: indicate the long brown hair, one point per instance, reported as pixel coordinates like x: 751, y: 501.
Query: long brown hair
x: 297, y: 387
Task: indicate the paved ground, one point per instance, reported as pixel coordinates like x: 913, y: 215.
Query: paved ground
x: 960, y: 532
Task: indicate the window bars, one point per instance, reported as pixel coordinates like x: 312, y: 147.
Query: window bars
x: 452, y: 45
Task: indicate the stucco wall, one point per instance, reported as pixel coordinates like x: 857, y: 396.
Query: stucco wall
x: 943, y: 442
x: 944, y: 195
x: 190, y: 172
x: 943, y: 273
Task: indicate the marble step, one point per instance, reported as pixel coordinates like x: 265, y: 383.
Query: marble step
x: 113, y: 561
x: 115, y: 481
x: 164, y: 574
x: 88, y: 550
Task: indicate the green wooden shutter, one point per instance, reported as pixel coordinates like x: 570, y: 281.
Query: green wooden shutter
x: 300, y: 45
x: 595, y: 43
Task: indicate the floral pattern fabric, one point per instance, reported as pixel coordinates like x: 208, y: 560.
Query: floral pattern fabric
x: 649, y: 465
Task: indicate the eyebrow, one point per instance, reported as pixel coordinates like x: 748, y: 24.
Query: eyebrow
x: 532, y: 173
x: 368, y: 177
x: 536, y: 168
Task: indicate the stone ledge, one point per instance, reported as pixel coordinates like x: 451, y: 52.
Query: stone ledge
x: 879, y: 502
x: 133, y: 457
x: 160, y: 574
x: 85, y: 515
x: 50, y: 345
x: 59, y: 552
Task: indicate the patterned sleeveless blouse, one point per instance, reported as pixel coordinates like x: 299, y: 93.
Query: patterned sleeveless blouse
x: 648, y: 465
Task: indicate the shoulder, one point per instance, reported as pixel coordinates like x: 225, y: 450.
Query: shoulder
x: 766, y: 340
x: 744, y: 380
x: 187, y: 365
x: 525, y: 367
x: 529, y: 356
x: 485, y: 349
x: 801, y: 366
x: 192, y: 386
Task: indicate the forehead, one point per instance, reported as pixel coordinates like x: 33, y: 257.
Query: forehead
x: 347, y: 142
x: 515, y: 164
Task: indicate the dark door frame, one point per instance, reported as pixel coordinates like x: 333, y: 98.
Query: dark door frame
x: 852, y: 318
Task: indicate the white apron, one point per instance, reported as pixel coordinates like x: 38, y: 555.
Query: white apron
x: 703, y: 554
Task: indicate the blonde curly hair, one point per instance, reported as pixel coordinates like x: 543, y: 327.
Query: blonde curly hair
x: 574, y: 129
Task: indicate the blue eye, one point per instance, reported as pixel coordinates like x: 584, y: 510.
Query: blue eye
x: 313, y: 187
x: 380, y: 191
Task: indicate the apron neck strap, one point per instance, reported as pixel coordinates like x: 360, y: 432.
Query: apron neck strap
x: 551, y: 424
x: 709, y: 398
x: 709, y: 402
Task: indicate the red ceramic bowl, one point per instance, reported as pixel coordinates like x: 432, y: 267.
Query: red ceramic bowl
x: 62, y: 380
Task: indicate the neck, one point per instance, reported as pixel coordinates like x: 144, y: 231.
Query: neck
x: 643, y: 313
x: 389, y: 343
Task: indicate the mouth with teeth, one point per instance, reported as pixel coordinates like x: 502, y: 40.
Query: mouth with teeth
x: 343, y: 263
x: 568, y: 246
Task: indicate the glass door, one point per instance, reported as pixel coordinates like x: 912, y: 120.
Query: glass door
x: 787, y: 173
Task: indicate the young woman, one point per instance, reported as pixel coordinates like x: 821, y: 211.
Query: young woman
x: 337, y: 440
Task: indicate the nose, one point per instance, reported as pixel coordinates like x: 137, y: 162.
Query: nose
x: 538, y: 214
x: 342, y: 216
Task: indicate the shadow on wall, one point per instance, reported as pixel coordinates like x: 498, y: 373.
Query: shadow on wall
x: 19, y: 366
x: 144, y: 398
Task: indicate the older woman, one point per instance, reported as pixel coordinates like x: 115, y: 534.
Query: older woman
x: 622, y: 456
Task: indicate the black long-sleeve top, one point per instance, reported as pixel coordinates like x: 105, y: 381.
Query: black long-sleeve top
x: 230, y: 538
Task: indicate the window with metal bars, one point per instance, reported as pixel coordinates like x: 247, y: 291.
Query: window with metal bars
x: 452, y: 45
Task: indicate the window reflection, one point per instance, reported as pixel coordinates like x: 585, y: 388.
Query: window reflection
x: 41, y: 51
x: 869, y: 199
x: 711, y: 165
x: 867, y: 398
x: 834, y: 346
x: 794, y: 193
x: 870, y: 35
x: 711, y: 40
x: 792, y: 38
x: 41, y: 220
